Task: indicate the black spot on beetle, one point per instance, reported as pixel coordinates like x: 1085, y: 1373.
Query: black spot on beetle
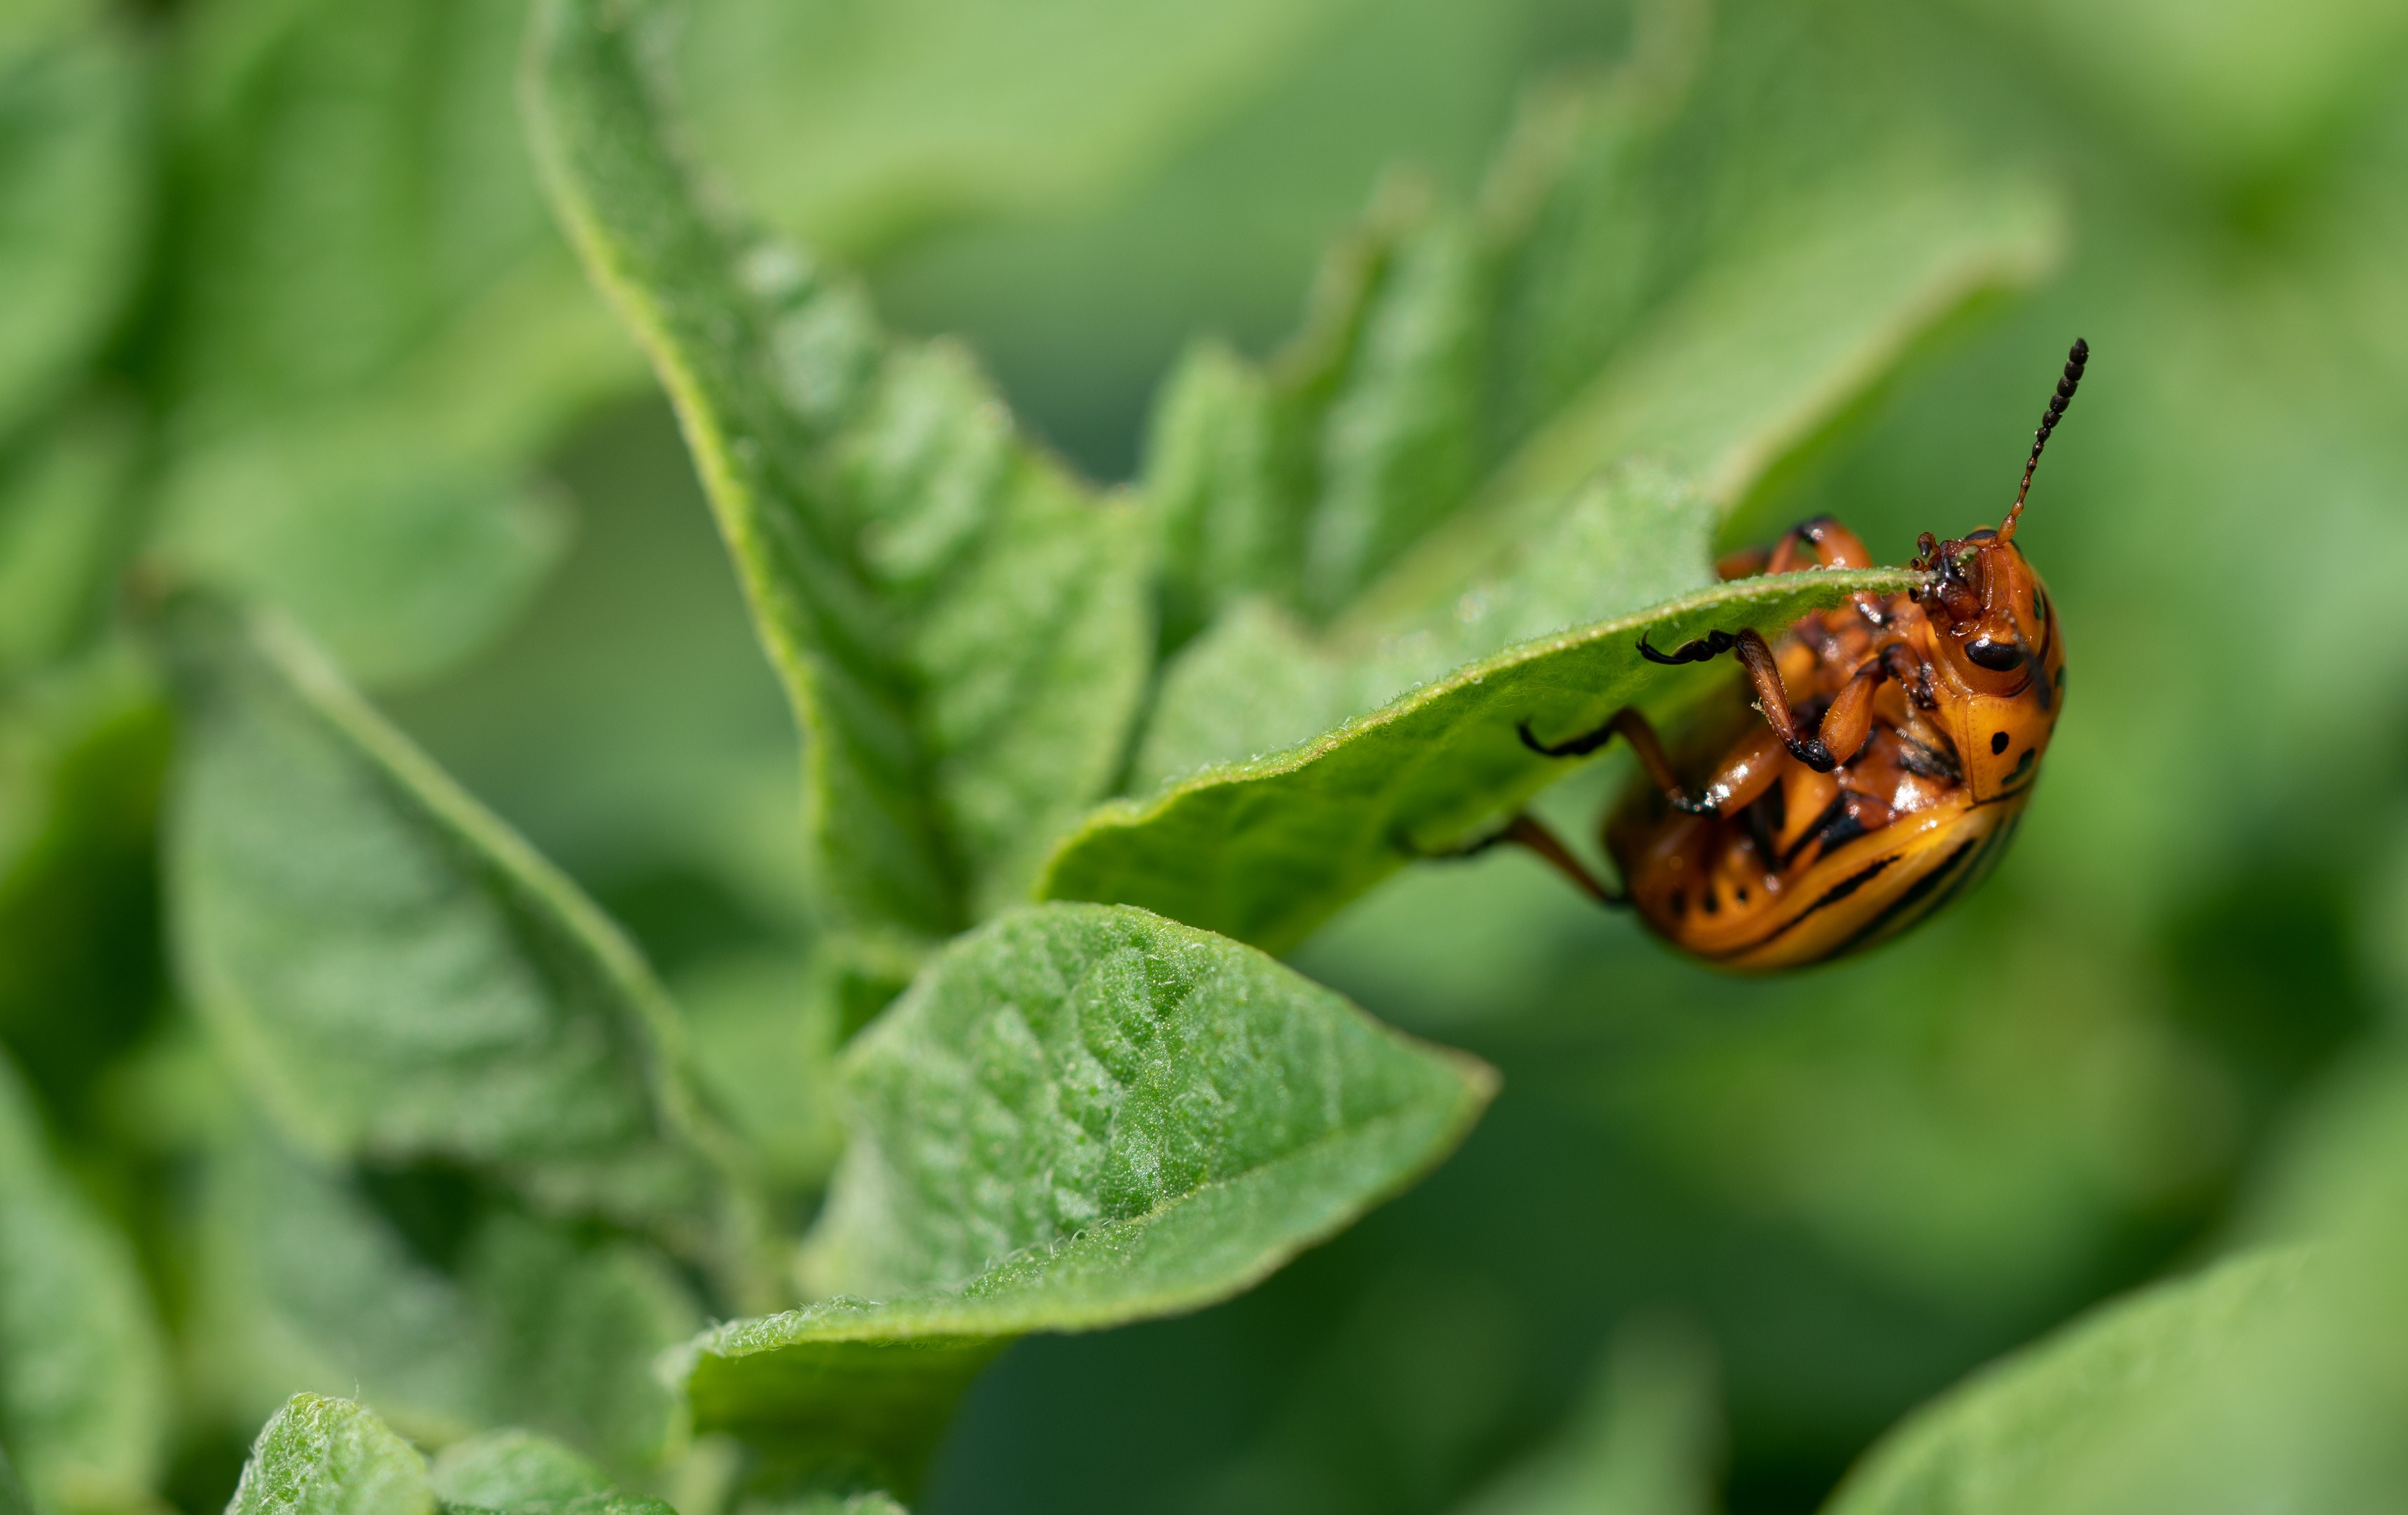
x: 1997, y: 656
x: 1998, y: 742
x: 2023, y: 764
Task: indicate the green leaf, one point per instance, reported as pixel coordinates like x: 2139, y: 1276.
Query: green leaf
x: 1078, y: 1116
x: 1645, y: 1442
x: 1265, y: 850
x: 921, y: 111
x: 63, y: 523
x: 83, y: 750
x: 959, y: 623
x: 509, y: 1469
x: 376, y: 330
x: 302, y: 1281
x: 1261, y: 679
x: 2022, y: 1433
x: 765, y: 1028
x: 83, y: 1371
x: 1399, y: 447
x: 73, y: 187
x: 396, y: 975
x: 321, y: 1456
x: 1533, y: 420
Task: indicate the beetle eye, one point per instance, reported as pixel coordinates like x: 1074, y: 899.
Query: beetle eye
x: 1997, y: 656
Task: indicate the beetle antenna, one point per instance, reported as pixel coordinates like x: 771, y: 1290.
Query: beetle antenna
x: 2049, y: 418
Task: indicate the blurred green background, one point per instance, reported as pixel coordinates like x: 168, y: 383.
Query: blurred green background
x: 283, y: 307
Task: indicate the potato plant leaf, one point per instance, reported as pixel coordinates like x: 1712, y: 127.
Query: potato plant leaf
x: 2022, y: 1433
x: 71, y: 193
x: 321, y: 1456
x: 1644, y: 1442
x: 1265, y: 850
x: 509, y: 1469
x: 1504, y: 424
x: 1077, y: 1117
x: 396, y: 975
x: 959, y: 623
x: 375, y: 328
x: 300, y: 1280
x: 84, y: 1372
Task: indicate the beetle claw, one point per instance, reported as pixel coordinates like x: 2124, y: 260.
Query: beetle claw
x: 1712, y: 645
x: 1810, y: 751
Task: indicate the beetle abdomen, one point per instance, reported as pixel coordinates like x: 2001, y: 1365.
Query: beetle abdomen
x: 1705, y: 887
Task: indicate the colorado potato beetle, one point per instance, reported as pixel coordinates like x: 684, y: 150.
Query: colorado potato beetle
x: 1879, y: 771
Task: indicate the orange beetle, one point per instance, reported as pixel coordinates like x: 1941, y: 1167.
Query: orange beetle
x: 1899, y: 741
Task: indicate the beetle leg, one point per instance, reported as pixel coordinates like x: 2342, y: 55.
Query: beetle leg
x: 1772, y: 701
x: 1746, y: 773
x: 1845, y: 725
x: 1712, y: 645
x: 1524, y: 830
x: 1824, y: 541
x: 1644, y: 744
x: 1913, y: 673
x: 1850, y: 719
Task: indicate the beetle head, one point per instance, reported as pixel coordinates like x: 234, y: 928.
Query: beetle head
x: 1997, y: 656
x: 1995, y: 648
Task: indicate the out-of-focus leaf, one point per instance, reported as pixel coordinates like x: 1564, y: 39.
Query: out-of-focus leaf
x: 83, y: 1374
x: 509, y: 1469
x: 1261, y: 679
x: 1969, y: 1151
x: 959, y: 623
x: 2242, y: 93
x: 394, y: 976
x: 303, y: 1283
x: 72, y: 192
x: 1077, y: 1117
x: 1400, y: 446
x: 1644, y: 1442
x: 13, y: 1500
x: 859, y: 1502
x: 1265, y: 850
x: 765, y: 1028
x: 321, y: 1456
x: 855, y: 124
x: 63, y: 523
x: 2023, y: 1433
x: 83, y: 752
x: 375, y: 329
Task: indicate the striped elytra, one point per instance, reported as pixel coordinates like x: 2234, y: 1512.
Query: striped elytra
x: 1869, y: 767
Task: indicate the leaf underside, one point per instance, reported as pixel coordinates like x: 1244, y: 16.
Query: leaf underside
x: 1264, y: 851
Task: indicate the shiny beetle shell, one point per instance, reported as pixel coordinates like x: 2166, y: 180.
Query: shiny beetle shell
x: 1872, y: 766
x: 1817, y: 865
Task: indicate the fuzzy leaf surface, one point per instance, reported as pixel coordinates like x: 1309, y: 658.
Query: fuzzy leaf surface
x: 321, y: 1456
x: 83, y: 1371
x: 391, y: 972
x: 1078, y: 1116
x: 959, y: 623
x: 1265, y: 850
